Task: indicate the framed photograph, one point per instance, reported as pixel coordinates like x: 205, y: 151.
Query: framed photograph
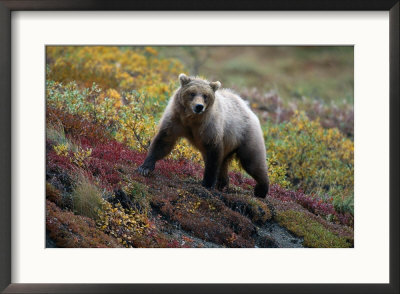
x: 205, y: 147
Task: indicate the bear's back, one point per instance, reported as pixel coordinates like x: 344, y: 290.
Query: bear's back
x: 238, y: 120
x: 234, y: 107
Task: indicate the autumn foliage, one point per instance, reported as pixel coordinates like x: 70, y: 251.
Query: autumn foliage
x: 103, y: 105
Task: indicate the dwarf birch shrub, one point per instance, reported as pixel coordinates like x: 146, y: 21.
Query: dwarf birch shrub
x: 317, y: 160
x: 120, y: 68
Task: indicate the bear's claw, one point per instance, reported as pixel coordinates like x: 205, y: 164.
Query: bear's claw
x: 144, y: 171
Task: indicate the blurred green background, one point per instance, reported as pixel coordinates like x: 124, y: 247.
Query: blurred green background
x: 323, y: 73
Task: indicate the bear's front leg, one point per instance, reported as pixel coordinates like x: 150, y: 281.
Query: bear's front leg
x: 160, y: 147
x: 213, y: 159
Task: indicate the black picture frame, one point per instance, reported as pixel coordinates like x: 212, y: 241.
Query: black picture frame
x: 6, y: 7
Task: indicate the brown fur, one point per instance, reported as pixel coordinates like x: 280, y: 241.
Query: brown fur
x: 219, y: 124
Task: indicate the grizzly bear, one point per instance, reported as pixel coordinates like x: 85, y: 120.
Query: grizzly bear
x: 219, y: 124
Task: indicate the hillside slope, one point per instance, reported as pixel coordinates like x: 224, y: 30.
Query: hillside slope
x: 169, y: 208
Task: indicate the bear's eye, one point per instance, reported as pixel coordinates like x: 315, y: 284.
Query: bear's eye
x: 205, y: 97
x: 192, y: 94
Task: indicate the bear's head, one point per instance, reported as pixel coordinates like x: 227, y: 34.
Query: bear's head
x: 196, y: 95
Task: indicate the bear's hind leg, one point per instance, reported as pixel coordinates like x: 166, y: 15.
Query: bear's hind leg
x: 254, y: 163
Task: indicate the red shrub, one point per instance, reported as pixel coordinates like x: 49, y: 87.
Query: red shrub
x: 68, y: 230
x: 312, y: 204
x: 81, y: 129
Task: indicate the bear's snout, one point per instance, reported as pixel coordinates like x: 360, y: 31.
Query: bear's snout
x: 198, y: 108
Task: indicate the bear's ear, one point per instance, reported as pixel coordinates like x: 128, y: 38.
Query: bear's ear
x: 184, y: 79
x: 215, y: 85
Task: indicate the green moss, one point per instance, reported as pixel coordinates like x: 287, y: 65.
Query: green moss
x: 257, y: 210
x: 314, y: 234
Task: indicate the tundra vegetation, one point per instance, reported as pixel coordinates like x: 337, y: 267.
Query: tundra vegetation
x: 102, y: 108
